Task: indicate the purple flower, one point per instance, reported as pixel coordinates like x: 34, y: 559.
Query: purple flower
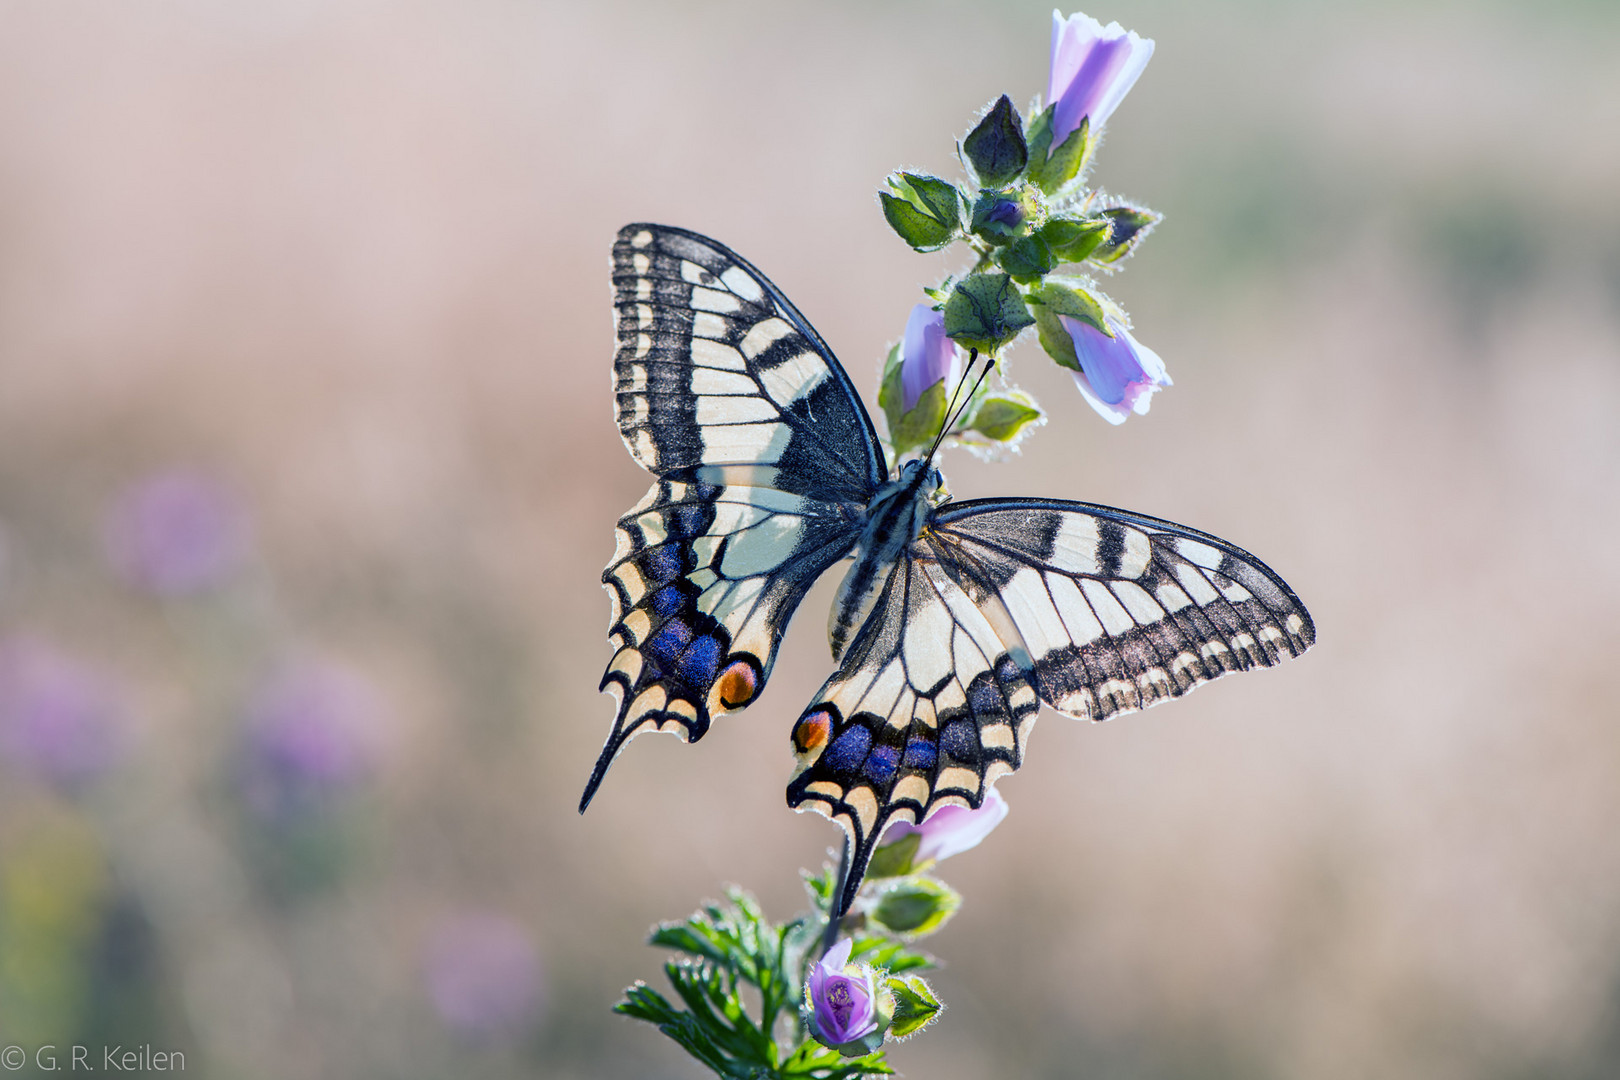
x: 1118, y: 375
x: 58, y: 718
x: 483, y: 975
x: 926, y: 356
x: 1093, y: 68
x: 951, y: 829
x: 848, y: 1011
x: 312, y: 734
x: 176, y: 533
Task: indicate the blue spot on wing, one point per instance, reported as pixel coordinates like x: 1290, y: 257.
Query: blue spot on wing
x: 881, y: 763
x: 848, y: 750
x: 662, y: 564
x: 959, y: 740
x: 920, y: 753
x: 700, y: 663
x: 671, y: 638
x: 667, y: 601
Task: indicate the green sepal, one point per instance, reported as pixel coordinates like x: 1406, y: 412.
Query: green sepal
x: 915, y: 1005
x: 1073, y: 240
x: 1004, y: 414
x: 1027, y: 260
x: 1051, y: 169
x: 1064, y: 296
x: 982, y: 224
x: 985, y: 312
x: 895, y: 859
x: 925, y: 210
x: 918, y: 426
x: 1131, y: 225
x: 995, y: 148
x: 914, y: 906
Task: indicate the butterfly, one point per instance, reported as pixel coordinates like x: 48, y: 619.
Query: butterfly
x: 955, y: 621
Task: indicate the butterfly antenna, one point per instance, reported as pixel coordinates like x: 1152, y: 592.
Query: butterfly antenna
x: 973, y: 356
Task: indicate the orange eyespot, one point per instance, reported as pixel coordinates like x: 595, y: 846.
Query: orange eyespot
x: 812, y: 731
x: 738, y: 684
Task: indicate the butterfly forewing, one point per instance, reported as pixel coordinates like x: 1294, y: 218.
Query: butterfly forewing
x: 1113, y: 612
x: 716, y: 368
x: 765, y: 459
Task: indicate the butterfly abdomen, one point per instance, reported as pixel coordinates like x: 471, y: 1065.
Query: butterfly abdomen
x: 894, y: 518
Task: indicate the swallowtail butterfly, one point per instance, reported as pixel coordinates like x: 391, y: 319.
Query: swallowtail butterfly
x: 955, y: 621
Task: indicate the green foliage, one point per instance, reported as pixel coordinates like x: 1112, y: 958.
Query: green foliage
x: 914, y: 906
x: 986, y: 311
x: 1003, y: 416
x: 1072, y: 240
x: 732, y: 946
x: 1027, y: 260
x: 909, y: 429
x: 995, y: 148
x: 1130, y: 226
x: 895, y: 859
x: 925, y: 210
x: 915, y: 1006
x: 1052, y: 169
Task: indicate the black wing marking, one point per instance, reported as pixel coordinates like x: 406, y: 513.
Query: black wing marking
x: 715, y: 367
x: 1110, y: 611
x: 929, y: 709
x: 766, y: 459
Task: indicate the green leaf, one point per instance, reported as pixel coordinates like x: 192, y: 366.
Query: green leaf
x: 986, y: 311
x: 894, y: 859
x: 914, y: 906
x: 1051, y: 169
x: 996, y: 148
x: 812, y: 1061
x: 1131, y: 225
x: 925, y: 210
x: 1072, y: 240
x: 1027, y: 260
x: 915, y: 1005
x: 1004, y: 414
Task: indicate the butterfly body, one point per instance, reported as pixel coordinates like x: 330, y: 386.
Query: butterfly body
x: 955, y: 621
x: 893, y: 521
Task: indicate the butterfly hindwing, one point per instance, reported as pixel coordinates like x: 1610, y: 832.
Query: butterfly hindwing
x: 765, y: 458
x: 928, y: 709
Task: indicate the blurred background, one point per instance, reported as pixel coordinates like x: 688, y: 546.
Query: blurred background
x: 308, y: 472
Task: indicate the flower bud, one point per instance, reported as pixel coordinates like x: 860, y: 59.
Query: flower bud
x: 846, y: 1008
x: 914, y: 906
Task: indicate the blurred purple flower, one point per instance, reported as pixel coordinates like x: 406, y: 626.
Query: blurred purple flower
x: 1093, y: 68
x: 951, y: 829
x: 1006, y: 212
x: 312, y: 734
x: 847, y: 1010
x: 483, y: 975
x: 926, y: 356
x: 59, y: 719
x: 176, y: 533
x: 1118, y: 375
